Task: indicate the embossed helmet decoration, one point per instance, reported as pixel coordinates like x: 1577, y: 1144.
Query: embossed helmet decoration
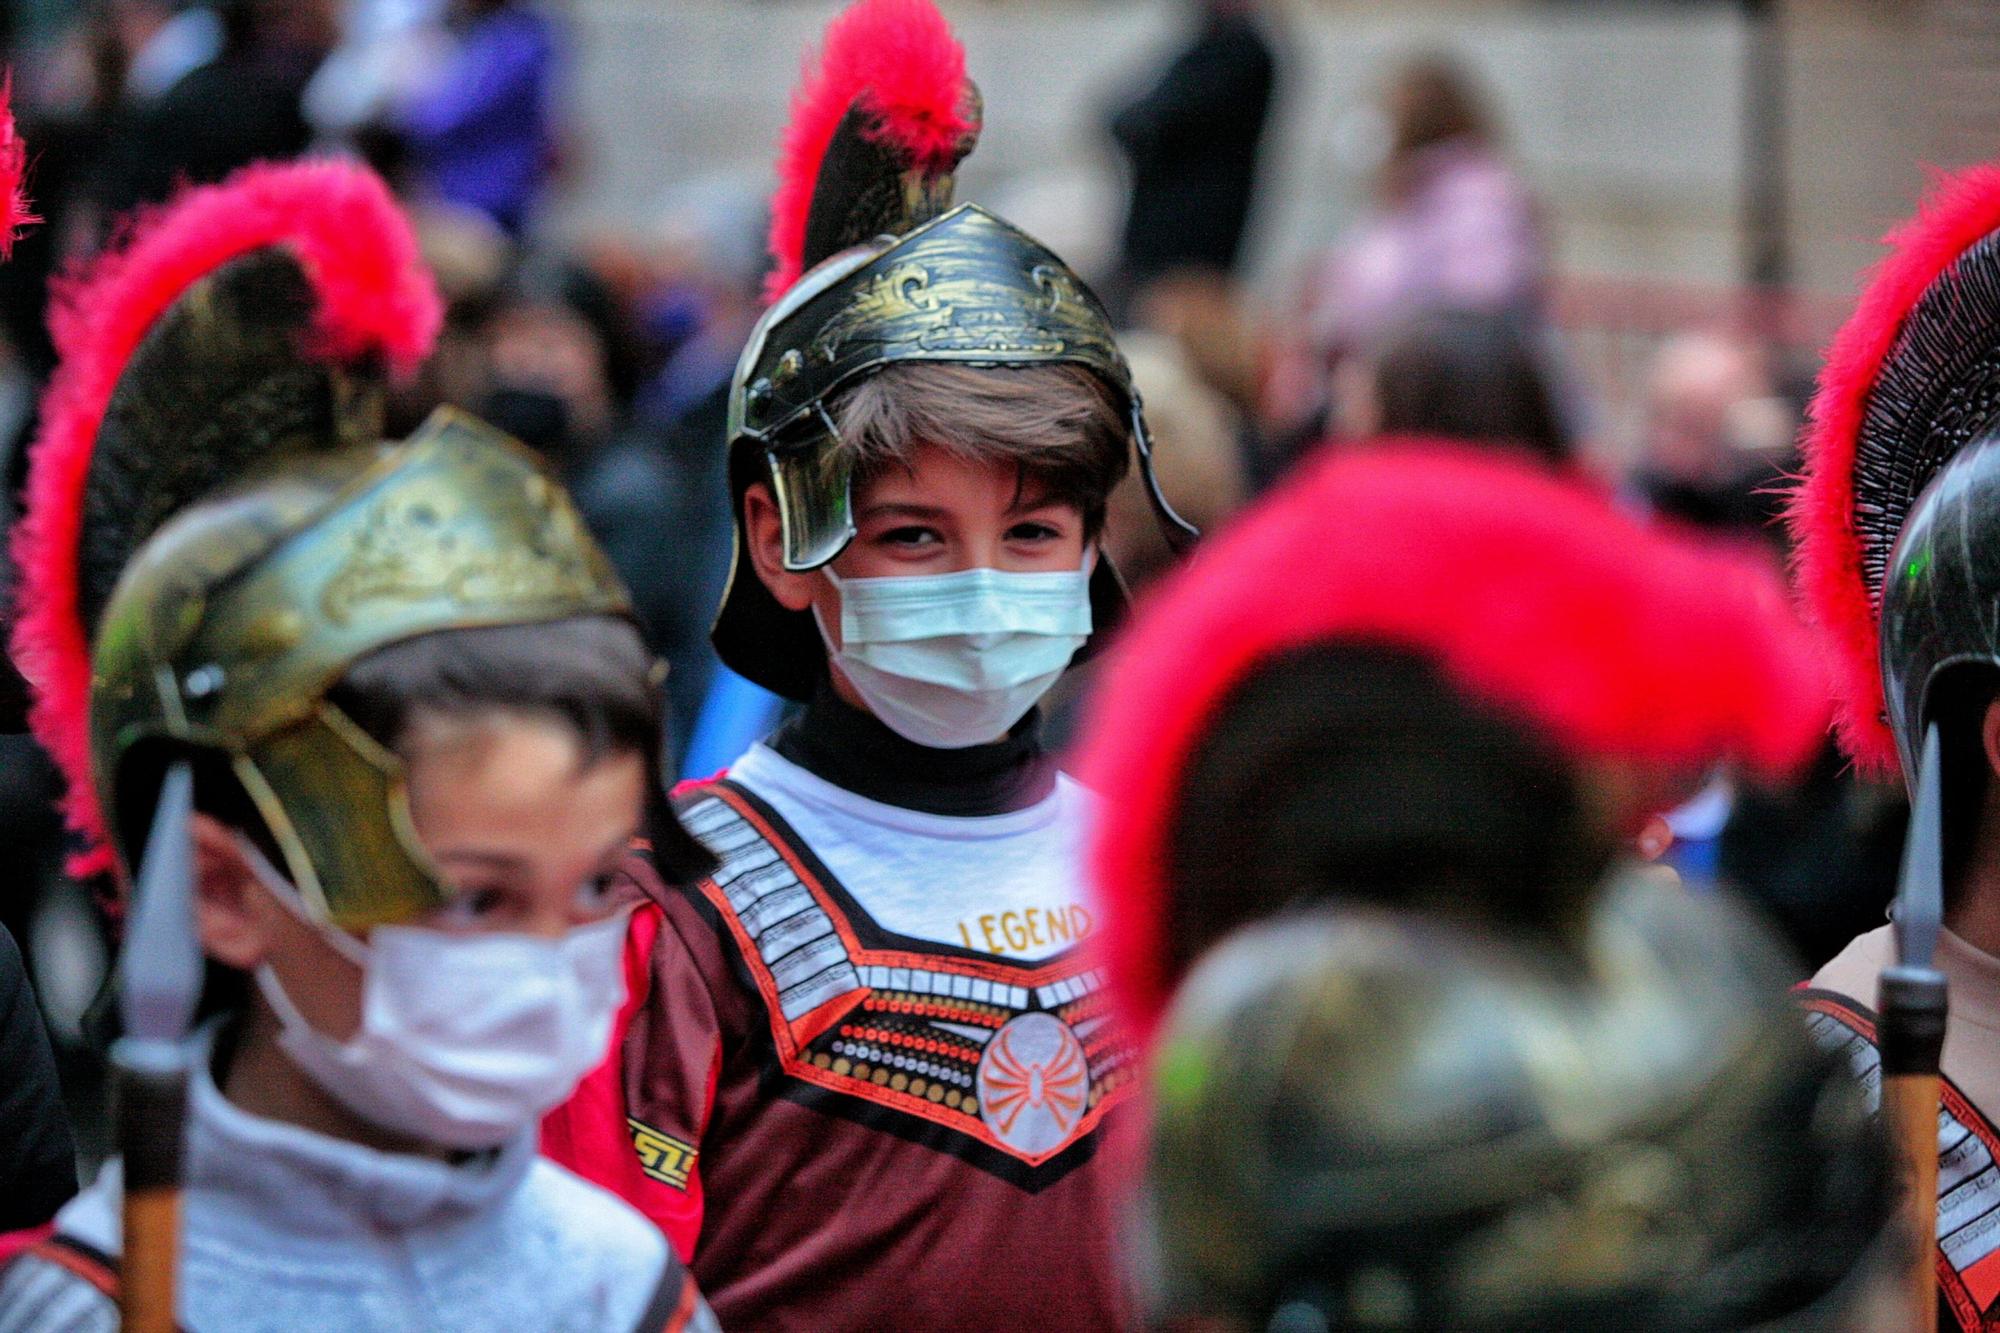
x: 215, y: 531
x: 1368, y: 1119
x: 874, y: 266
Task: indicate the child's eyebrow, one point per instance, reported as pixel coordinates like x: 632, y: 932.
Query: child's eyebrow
x: 505, y: 861
x: 616, y: 851
x: 1039, y: 500
x: 901, y: 509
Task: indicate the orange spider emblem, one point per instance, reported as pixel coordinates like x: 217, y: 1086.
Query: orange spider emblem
x: 1034, y: 1083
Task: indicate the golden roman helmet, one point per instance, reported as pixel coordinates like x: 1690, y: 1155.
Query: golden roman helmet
x: 216, y: 527
x: 1373, y: 1119
x: 875, y: 266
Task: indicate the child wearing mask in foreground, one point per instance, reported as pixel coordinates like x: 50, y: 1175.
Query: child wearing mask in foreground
x: 421, y: 732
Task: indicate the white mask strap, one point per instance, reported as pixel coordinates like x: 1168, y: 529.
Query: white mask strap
x: 353, y: 950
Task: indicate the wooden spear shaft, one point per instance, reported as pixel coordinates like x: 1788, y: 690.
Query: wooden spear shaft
x: 152, y: 1082
x: 1912, y: 1007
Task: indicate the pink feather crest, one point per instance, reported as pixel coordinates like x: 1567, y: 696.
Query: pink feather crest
x: 1611, y: 639
x: 14, y: 208
x: 375, y: 297
x: 901, y: 56
x: 1827, y: 570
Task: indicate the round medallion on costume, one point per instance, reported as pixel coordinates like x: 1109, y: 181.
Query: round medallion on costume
x: 1034, y: 1083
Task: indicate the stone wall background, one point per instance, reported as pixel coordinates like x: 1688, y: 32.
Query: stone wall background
x: 1627, y: 116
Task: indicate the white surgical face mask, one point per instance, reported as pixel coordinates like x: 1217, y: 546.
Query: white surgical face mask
x: 953, y: 660
x: 466, y: 1039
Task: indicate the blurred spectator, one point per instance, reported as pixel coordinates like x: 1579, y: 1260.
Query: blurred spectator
x: 1197, y: 456
x: 37, y: 1161
x: 206, y: 89
x: 1453, y: 226
x: 704, y: 297
x: 1191, y: 140
x: 1715, y: 439
x: 1821, y: 860
x: 471, y: 258
x: 1215, y: 327
x: 549, y: 343
x: 1470, y: 375
x: 1818, y: 859
x: 386, y: 49
x: 552, y: 340
x: 480, y: 131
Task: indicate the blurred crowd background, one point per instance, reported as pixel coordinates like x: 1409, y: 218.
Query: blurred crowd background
x: 1614, y: 233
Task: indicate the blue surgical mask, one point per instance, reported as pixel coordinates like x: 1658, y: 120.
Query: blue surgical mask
x: 955, y: 660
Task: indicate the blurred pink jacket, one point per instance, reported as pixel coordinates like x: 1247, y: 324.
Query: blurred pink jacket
x: 1468, y: 234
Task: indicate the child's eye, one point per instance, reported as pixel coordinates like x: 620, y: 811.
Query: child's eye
x: 475, y: 904
x: 593, y: 891
x: 1032, y: 532
x: 909, y: 536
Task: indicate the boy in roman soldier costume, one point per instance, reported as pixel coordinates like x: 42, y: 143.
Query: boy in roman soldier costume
x: 386, y: 713
x: 1444, y: 1058
x: 1898, y: 524
x: 867, y: 1067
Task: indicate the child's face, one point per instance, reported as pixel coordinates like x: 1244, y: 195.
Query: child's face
x: 941, y: 515
x: 948, y: 513
x: 525, y: 833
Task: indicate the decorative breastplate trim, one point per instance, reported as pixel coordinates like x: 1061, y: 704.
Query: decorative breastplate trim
x: 1968, y: 1223
x: 1017, y: 1062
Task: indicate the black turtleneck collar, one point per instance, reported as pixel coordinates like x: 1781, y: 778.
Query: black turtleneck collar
x: 833, y: 740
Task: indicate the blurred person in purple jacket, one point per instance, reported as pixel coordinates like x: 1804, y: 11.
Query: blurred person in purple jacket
x: 481, y: 132
x: 1453, y: 226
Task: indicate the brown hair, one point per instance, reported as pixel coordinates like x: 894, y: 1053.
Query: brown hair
x: 591, y: 673
x: 1470, y: 375
x: 1061, y: 426
x: 1431, y: 100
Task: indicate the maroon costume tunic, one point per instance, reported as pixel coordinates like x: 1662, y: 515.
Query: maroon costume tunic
x: 844, y: 1128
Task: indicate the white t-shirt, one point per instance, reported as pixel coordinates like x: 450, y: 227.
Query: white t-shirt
x: 1011, y: 885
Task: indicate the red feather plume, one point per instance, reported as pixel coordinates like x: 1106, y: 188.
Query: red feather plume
x: 901, y: 57
x: 375, y: 297
x: 14, y: 211
x: 1529, y: 592
x: 1959, y: 212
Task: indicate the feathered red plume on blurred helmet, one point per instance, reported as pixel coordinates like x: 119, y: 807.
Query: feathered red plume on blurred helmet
x: 14, y: 213
x: 375, y: 299
x: 899, y: 61
x: 1529, y: 593
x: 1825, y: 519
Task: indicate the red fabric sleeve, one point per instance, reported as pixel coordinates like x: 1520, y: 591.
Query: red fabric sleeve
x: 635, y: 1124
x: 14, y: 1242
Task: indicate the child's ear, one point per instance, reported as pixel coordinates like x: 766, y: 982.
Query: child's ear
x: 764, y: 534
x: 229, y: 901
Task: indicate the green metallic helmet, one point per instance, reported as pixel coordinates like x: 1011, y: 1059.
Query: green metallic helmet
x: 235, y: 619
x: 216, y: 532
x: 876, y: 268
x: 1374, y: 1120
